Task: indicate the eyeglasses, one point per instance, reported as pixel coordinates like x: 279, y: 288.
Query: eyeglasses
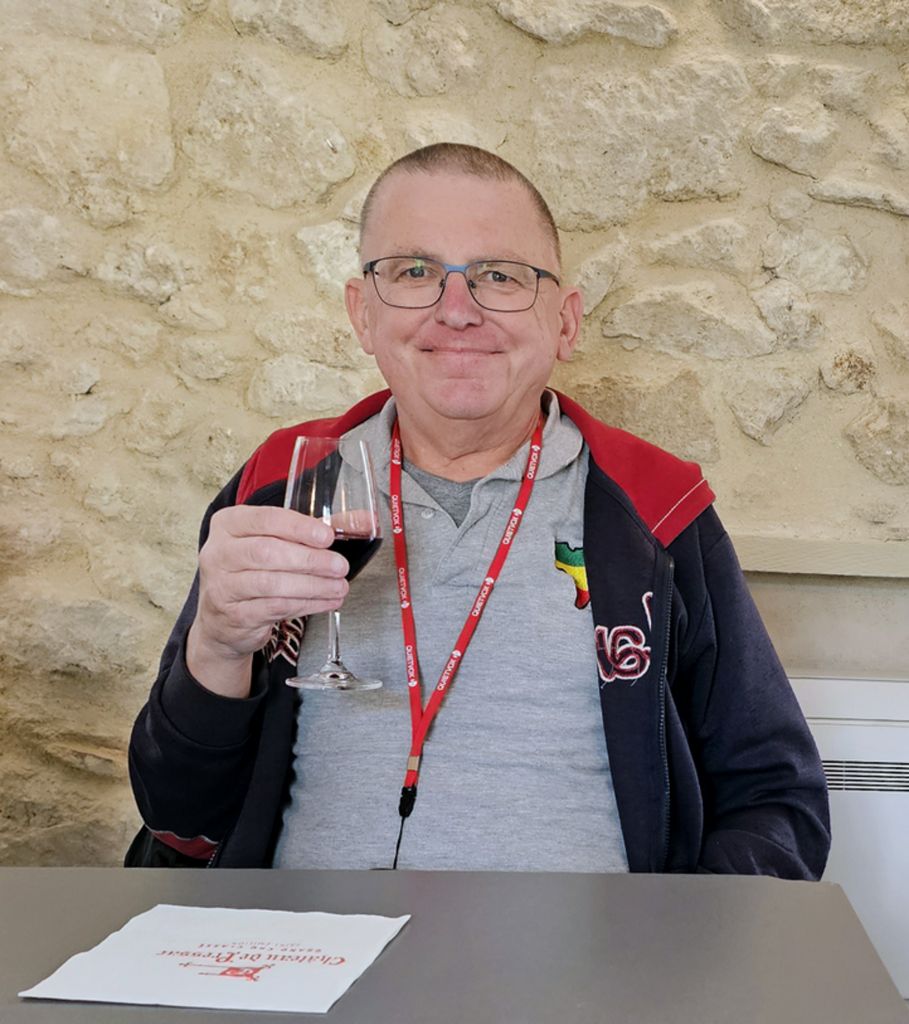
x: 415, y: 282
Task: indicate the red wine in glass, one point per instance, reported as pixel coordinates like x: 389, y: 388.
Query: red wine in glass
x: 358, y: 550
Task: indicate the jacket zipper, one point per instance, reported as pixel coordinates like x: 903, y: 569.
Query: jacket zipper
x: 664, y: 755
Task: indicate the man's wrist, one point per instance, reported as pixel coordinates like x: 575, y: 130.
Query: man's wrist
x: 216, y: 667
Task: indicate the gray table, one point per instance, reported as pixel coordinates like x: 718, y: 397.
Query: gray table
x: 490, y: 948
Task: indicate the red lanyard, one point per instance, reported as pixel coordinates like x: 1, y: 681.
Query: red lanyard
x: 420, y: 719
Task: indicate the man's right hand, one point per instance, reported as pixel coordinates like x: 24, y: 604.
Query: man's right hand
x: 259, y: 564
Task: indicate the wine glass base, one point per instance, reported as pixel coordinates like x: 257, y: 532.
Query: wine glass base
x: 332, y: 677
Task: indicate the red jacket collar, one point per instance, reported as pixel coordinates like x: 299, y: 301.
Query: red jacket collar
x: 666, y: 492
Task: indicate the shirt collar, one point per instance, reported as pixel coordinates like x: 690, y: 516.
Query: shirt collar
x: 562, y: 442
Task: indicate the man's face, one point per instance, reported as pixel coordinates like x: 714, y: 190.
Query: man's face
x: 456, y: 360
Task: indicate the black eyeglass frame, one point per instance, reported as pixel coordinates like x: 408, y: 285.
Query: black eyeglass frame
x: 460, y: 268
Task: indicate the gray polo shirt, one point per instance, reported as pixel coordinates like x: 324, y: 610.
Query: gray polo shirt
x: 515, y: 774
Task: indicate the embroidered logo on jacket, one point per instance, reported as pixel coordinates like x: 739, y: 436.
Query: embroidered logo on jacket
x: 623, y: 651
x: 571, y: 560
x: 285, y: 640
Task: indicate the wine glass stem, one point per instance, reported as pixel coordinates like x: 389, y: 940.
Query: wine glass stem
x: 334, y: 637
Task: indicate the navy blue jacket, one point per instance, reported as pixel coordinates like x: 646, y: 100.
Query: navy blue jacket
x: 712, y: 762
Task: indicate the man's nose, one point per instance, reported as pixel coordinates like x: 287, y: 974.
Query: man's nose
x: 457, y: 306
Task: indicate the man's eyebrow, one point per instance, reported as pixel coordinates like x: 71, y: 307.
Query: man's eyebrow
x: 412, y: 250
x: 498, y: 254
x: 503, y: 254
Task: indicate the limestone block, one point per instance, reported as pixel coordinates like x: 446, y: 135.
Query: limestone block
x: 256, y: 131
x: 106, y: 206
x: 871, y: 23
x: 790, y: 204
x: 18, y: 467
x: 842, y: 87
x: 49, y: 720
x: 641, y: 23
x: 880, y: 439
x: 80, y: 417
x: 106, y: 495
x: 849, y: 369
x: 599, y: 273
x: 892, y: 133
x: 672, y: 414
x: 50, y: 821
x: 331, y: 253
x: 245, y: 260
x: 81, y: 738
x: 20, y: 348
x: 788, y: 312
x: 764, y: 401
x: 425, y: 127
x: 815, y: 260
x: 399, y: 11
x: 187, y: 308
x: 893, y: 321
x: 215, y: 455
x: 309, y: 26
x: 79, y: 378
x: 96, y: 759
x: 69, y: 635
x: 694, y: 318
x: 155, y: 423
x: 672, y: 133
x: 137, y: 340
x: 148, y: 23
x: 34, y: 248
x: 163, y: 580
x: 714, y: 245
x: 202, y: 358
x: 159, y: 521
x: 290, y: 386
x: 159, y: 508
x: 27, y: 533
x: 17, y: 352
x: 855, y: 189
x: 354, y: 206
x: 51, y: 92
x: 66, y: 463
x: 318, y: 338
x: 429, y: 54
x: 150, y: 272
x: 877, y: 512
x: 798, y: 137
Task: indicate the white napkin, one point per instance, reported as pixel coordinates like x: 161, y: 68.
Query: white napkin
x: 225, y: 959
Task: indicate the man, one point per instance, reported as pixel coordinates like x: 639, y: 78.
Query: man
x: 619, y: 705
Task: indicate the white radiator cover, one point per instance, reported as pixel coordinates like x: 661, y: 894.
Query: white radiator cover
x: 861, y: 727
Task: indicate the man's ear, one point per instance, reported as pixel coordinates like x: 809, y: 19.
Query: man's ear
x: 355, y: 300
x: 571, y: 313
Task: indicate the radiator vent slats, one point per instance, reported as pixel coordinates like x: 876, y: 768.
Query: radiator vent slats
x: 887, y: 776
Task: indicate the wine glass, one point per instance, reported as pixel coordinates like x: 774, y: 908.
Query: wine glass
x: 332, y: 479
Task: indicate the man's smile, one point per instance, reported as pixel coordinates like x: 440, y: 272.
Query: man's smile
x: 459, y: 348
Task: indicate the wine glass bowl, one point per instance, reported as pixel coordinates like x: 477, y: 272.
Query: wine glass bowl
x: 332, y: 479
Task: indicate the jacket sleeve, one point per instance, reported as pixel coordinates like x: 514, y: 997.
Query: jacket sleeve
x: 765, y: 796
x: 191, y: 750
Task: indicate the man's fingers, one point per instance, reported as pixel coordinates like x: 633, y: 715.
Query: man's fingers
x: 252, y: 584
x: 268, y: 521
x: 261, y: 564
x: 278, y: 555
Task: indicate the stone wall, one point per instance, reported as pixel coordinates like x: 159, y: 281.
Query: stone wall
x: 179, y: 188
